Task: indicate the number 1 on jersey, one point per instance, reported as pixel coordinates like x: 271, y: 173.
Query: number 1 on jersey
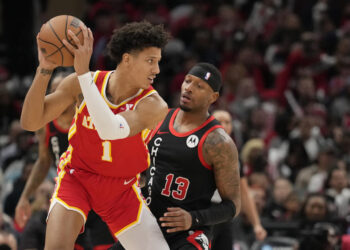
x: 106, y: 156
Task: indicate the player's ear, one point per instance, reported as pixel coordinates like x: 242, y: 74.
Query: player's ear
x: 213, y: 97
x: 126, y: 58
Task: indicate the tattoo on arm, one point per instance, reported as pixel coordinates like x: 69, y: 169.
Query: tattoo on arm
x: 46, y: 72
x: 221, y: 152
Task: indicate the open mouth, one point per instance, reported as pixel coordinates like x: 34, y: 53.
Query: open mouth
x: 185, y: 98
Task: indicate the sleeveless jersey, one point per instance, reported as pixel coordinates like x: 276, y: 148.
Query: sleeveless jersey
x: 117, y: 158
x: 56, y: 140
x: 178, y: 174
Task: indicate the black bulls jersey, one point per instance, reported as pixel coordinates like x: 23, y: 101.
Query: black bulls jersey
x: 56, y: 140
x: 178, y: 175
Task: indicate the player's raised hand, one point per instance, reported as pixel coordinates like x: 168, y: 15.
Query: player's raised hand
x: 82, y: 51
x: 176, y: 219
x: 44, y: 63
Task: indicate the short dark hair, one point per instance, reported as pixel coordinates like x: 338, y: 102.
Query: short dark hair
x: 136, y: 36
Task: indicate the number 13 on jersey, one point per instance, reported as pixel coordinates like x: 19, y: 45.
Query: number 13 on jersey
x: 182, y: 187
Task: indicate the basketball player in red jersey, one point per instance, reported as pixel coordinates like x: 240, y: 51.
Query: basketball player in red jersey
x: 53, y: 141
x: 191, y: 157
x: 106, y: 140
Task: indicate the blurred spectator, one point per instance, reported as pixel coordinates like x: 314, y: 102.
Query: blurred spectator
x: 275, y: 209
x: 8, y: 238
x: 292, y: 205
x: 18, y: 184
x: 259, y: 196
x: 253, y: 156
x: 314, y: 216
x: 337, y: 188
x: 8, y: 110
x: 259, y: 180
x: 18, y: 144
x: 282, y: 42
x: 33, y: 235
x: 312, y: 178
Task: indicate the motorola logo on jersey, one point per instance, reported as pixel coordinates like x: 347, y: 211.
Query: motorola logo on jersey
x: 192, y: 141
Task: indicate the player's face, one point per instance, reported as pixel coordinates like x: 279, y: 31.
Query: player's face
x: 196, y: 94
x: 144, y: 66
x: 225, y: 120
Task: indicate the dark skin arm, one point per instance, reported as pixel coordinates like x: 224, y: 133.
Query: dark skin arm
x: 221, y: 153
x: 37, y: 175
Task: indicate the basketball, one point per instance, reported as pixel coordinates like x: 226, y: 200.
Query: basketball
x: 51, y: 35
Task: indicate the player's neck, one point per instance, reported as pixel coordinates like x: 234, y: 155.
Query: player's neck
x: 186, y: 121
x: 119, y: 87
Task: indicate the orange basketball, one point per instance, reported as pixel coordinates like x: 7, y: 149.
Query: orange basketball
x: 51, y: 35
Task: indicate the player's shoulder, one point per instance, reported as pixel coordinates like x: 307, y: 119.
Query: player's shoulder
x: 218, y: 135
x: 219, y: 145
x: 153, y: 99
x: 218, y: 139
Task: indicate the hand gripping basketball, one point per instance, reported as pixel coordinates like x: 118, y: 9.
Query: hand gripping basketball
x: 82, y: 51
x: 50, y: 45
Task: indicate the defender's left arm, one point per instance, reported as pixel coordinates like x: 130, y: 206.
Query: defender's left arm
x: 220, y: 152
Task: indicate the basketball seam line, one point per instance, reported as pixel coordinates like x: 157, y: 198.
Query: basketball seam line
x: 58, y: 48
x: 54, y: 32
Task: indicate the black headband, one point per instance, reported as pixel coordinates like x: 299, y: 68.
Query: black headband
x: 208, y: 75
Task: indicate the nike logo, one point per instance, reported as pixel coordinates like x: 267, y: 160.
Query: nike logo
x: 127, y: 182
x: 161, y: 133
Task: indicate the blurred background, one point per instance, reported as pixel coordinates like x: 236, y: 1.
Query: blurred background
x: 286, y: 83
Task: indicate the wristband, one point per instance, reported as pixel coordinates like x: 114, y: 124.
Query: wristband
x: 215, y: 214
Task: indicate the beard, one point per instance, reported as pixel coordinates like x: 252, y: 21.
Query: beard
x: 184, y: 108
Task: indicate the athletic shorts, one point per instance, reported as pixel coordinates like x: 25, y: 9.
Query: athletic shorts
x: 116, y: 200
x: 197, y: 240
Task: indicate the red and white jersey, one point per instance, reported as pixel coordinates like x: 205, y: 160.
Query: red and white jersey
x: 118, y: 158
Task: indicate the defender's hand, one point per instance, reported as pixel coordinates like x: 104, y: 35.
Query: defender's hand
x: 260, y: 232
x: 177, y: 219
x: 23, y: 212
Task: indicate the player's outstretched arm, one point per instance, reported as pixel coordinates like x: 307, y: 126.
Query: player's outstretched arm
x: 36, y: 177
x: 39, y: 109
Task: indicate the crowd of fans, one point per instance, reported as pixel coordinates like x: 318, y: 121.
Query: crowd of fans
x: 286, y: 77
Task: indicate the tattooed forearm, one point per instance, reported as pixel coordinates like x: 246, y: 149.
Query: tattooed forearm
x: 221, y: 153
x: 46, y: 72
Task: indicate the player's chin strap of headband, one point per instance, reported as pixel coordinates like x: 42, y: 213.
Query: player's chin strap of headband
x: 108, y: 125
x: 215, y: 214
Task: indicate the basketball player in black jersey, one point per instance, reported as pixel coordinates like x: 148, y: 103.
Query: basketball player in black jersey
x: 53, y: 141
x: 191, y: 156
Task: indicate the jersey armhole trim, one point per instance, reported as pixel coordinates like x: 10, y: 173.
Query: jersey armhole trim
x: 200, y: 147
